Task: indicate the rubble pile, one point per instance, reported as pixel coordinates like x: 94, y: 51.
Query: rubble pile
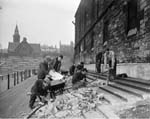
x: 81, y: 103
x: 140, y: 110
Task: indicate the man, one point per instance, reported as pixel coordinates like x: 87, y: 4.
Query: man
x: 39, y: 89
x: 72, y: 69
x: 44, y: 66
x: 79, y: 77
x: 57, y: 63
x: 110, y: 64
x: 82, y: 65
x: 99, y: 62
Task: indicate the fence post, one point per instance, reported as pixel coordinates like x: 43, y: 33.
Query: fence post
x: 21, y: 75
x: 17, y: 77
x: 29, y: 73
x: 8, y: 81
x: 32, y: 71
x: 25, y: 75
x: 14, y: 79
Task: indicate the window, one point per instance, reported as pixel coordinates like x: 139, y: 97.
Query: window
x: 85, y: 20
x: 92, y: 40
x: 84, y: 44
x: 141, y: 12
x: 99, y: 4
x: 132, y: 15
x: 105, y: 31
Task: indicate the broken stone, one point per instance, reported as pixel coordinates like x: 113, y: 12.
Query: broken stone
x: 71, y: 105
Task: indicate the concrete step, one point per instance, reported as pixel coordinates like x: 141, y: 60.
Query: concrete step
x: 128, y: 96
x: 131, y: 79
x: 125, y: 89
x: 129, y: 83
x: 124, y: 92
x: 114, y: 93
x: 136, y: 92
x: 137, y: 80
x: 134, y: 85
x: 111, y: 98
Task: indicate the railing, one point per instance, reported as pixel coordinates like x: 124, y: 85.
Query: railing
x: 12, y: 79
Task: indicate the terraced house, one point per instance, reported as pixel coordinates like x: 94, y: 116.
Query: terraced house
x: 124, y: 24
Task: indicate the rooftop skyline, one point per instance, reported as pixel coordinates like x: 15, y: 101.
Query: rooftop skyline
x: 40, y: 21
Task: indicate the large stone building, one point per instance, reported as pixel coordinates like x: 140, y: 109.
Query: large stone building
x: 124, y: 24
x: 23, y: 48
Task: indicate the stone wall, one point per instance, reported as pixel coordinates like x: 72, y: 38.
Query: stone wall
x: 130, y: 46
x: 135, y: 70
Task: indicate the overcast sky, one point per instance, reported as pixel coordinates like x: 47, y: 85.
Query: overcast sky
x: 41, y: 21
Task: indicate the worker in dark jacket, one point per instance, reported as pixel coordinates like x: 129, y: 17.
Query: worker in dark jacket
x: 57, y: 63
x: 44, y: 66
x: 99, y: 62
x: 72, y: 69
x: 39, y: 89
x: 82, y: 65
x: 79, y: 77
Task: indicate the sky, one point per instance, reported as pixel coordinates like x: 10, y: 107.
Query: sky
x: 41, y: 21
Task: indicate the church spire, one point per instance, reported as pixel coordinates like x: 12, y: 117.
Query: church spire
x: 16, y: 29
x: 16, y: 36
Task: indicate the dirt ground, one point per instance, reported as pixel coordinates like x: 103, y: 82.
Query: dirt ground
x: 14, y: 102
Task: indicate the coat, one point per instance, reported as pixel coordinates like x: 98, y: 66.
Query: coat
x: 57, y: 65
x: 43, y: 69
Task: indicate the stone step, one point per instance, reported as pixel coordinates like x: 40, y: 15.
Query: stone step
x: 127, y: 90
x: 132, y: 79
x: 114, y: 93
x: 139, y: 91
x: 137, y: 80
x: 111, y: 98
x: 134, y: 85
x: 129, y: 84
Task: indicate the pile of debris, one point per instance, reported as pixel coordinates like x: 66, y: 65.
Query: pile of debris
x: 79, y: 103
x: 140, y: 110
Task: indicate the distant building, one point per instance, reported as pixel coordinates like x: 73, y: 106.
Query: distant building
x: 46, y: 48
x: 23, y: 48
x: 66, y: 49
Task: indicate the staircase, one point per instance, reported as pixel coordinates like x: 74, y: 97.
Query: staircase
x: 122, y: 90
